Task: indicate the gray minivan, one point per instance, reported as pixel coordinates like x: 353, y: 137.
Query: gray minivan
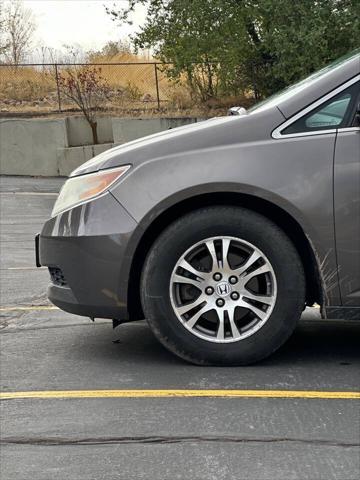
x: 220, y: 233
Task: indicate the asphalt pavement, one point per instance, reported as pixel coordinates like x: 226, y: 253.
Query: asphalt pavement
x: 94, y: 435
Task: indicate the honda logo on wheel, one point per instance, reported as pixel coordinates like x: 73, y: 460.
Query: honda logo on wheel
x: 223, y: 289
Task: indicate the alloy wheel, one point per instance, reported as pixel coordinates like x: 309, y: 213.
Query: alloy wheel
x: 223, y: 289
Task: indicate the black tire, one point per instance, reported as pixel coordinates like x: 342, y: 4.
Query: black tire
x: 216, y: 221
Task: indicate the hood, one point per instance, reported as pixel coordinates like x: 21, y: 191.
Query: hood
x: 205, y: 134
x: 226, y: 131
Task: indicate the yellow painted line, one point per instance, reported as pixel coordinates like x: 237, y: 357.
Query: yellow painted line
x: 26, y: 309
x: 51, y: 394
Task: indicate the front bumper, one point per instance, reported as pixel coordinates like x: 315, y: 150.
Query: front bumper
x: 86, y: 250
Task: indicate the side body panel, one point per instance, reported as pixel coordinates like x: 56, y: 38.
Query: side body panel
x: 347, y: 215
x: 302, y: 186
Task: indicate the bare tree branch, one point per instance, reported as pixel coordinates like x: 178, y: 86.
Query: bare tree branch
x: 87, y: 89
x: 18, y: 27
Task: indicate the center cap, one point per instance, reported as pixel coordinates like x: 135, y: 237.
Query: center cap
x: 223, y: 289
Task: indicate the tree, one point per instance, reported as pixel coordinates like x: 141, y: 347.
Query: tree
x: 296, y: 38
x: 44, y: 54
x: 189, y: 35
x: 73, y: 54
x: 110, y: 49
x: 19, y: 27
x: 4, y: 44
x: 87, y: 89
x: 261, y: 45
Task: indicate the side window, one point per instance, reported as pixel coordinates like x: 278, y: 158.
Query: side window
x: 331, y: 115
x: 335, y: 113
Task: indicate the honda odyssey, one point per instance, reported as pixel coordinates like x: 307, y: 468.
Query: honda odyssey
x: 222, y: 232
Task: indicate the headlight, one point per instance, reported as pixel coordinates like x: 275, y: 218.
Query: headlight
x: 82, y: 189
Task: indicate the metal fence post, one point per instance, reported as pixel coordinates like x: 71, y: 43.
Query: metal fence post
x: 157, y: 86
x: 57, y: 86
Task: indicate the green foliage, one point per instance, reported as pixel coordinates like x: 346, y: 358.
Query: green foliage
x: 242, y: 45
x: 299, y: 37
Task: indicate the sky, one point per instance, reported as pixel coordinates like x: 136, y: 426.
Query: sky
x: 81, y: 22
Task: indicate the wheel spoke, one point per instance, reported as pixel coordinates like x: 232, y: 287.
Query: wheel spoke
x: 221, y: 328
x: 234, y: 330
x: 259, y: 271
x: 189, y: 268
x: 267, y: 299
x: 180, y: 279
x: 225, y: 244
x: 191, y: 323
x: 258, y: 312
x: 189, y: 306
x: 254, y: 257
x: 211, y: 248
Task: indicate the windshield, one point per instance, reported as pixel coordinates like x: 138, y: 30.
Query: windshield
x: 298, y: 87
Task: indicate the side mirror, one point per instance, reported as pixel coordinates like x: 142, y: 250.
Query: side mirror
x: 237, y: 111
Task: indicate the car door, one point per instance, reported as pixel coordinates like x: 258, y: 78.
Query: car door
x: 347, y: 209
x: 334, y: 117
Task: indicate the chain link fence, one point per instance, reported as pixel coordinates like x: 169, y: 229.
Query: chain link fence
x: 35, y: 88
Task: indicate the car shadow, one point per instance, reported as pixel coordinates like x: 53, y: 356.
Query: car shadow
x: 313, y: 342
x: 320, y: 341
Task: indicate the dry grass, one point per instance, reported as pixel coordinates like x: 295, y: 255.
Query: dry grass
x: 135, y: 82
x: 132, y: 90
x: 25, y: 83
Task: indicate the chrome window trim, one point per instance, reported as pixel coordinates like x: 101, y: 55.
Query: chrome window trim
x: 276, y: 134
x: 349, y: 129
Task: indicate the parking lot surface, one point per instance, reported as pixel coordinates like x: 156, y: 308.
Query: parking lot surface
x: 99, y: 432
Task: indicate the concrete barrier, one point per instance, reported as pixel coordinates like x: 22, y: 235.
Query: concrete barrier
x: 127, y: 129
x: 43, y: 147
x: 29, y: 147
x: 79, y: 132
x: 70, y: 158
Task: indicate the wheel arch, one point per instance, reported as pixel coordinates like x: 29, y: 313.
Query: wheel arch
x: 314, y: 290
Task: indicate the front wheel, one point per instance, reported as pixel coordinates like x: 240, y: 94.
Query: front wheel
x: 223, y: 286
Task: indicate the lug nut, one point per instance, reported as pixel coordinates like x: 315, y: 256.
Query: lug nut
x: 217, y: 277
x: 233, y: 280
x: 235, y: 296
x: 220, y: 302
x: 209, y: 290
